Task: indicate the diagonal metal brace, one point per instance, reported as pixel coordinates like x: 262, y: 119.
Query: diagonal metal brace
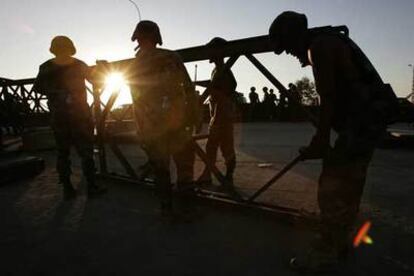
x: 275, y: 178
x: 125, y: 164
x: 211, y: 167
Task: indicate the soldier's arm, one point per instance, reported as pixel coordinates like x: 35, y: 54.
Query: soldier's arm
x: 232, y: 81
x: 39, y: 85
x: 89, y: 73
x: 224, y: 80
x: 323, y: 55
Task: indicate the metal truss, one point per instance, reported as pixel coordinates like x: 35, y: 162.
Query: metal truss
x: 232, y: 50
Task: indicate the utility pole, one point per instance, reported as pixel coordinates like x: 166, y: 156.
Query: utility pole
x: 195, y: 73
x: 411, y: 96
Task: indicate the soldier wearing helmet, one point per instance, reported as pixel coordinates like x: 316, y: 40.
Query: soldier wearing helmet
x: 62, y: 80
x: 349, y: 89
x: 223, y: 86
x: 160, y: 89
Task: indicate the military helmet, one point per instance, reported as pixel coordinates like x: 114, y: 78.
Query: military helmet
x: 288, y: 22
x: 148, y: 29
x: 62, y: 45
x: 217, y: 41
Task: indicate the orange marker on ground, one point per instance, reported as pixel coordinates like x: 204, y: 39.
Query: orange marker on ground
x: 362, y: 235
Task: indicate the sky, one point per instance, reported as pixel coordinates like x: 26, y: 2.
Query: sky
x: 101, y: 29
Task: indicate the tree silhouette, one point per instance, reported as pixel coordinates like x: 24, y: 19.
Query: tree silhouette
x: 307, y: 91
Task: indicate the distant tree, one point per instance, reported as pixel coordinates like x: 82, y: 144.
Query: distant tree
x: 307, y: 91
x: 240, y: 98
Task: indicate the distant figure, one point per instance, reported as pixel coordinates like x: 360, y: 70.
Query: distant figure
x: 293, y: 107
x: 265, y: 94
x: 253, y: 96
x: 357, y: 105
x: 272, y: 104
x: 266, y: 104
x: 254, y: 103
x: 282, y: 107
x: 221, y: 135
x: 62, y: 80
x: 160, y: 90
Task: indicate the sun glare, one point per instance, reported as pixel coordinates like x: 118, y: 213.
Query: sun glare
x: 115, y: 82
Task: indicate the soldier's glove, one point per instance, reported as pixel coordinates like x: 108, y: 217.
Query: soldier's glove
x: 316, y: 149
x: 100, y: 71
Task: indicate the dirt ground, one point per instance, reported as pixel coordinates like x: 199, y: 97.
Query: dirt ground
x: 121, y: 232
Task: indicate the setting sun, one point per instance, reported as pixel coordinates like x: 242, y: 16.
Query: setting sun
x: 115, y: 82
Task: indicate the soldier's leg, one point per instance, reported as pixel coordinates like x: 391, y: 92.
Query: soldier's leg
x: 228, y: 151
x: 339, y: 195
x: 184, y: 160
x: 161, y: 161
x: 211, y: 152
x: 83, y: 141
x: 63, y: 144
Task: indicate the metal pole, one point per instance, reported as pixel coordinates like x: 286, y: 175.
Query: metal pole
x: 99, y: 130
x: 275, y: 178
x: 412, y: 85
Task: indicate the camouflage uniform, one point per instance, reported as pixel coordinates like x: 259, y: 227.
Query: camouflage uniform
x: 221, y: 131
x: 353, y: 101
x: 359, y: 118
x: 159, y: 86
x: 64, y: 86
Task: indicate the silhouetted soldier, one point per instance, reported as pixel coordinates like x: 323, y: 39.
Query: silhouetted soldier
x: 282, y: 107
x: 273, y: 97
x: 293, y: 107
x: 272, y: 103
x: 355, y: 103
x: 254, y: 102
x: 223, y: 85
x: 62, y: 80
x: 266, y: 103
x: 160, y: 89
x: 265, y: 94
x: 253, y: 96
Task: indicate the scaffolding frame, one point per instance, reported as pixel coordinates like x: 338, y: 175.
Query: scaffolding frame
x: 232, y: 50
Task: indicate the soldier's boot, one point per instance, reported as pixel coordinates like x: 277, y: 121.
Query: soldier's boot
x: 166, y: 208
x: 341, y: 239
x: 68, y: 191
x: 96, y: 190
x: 186, y: 211
x: 228, y: 184
x: 205, y: 178
x: 321, y: 257
x: 93, y: 188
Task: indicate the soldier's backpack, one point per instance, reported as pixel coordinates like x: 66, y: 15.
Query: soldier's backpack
x: 379, y: 102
